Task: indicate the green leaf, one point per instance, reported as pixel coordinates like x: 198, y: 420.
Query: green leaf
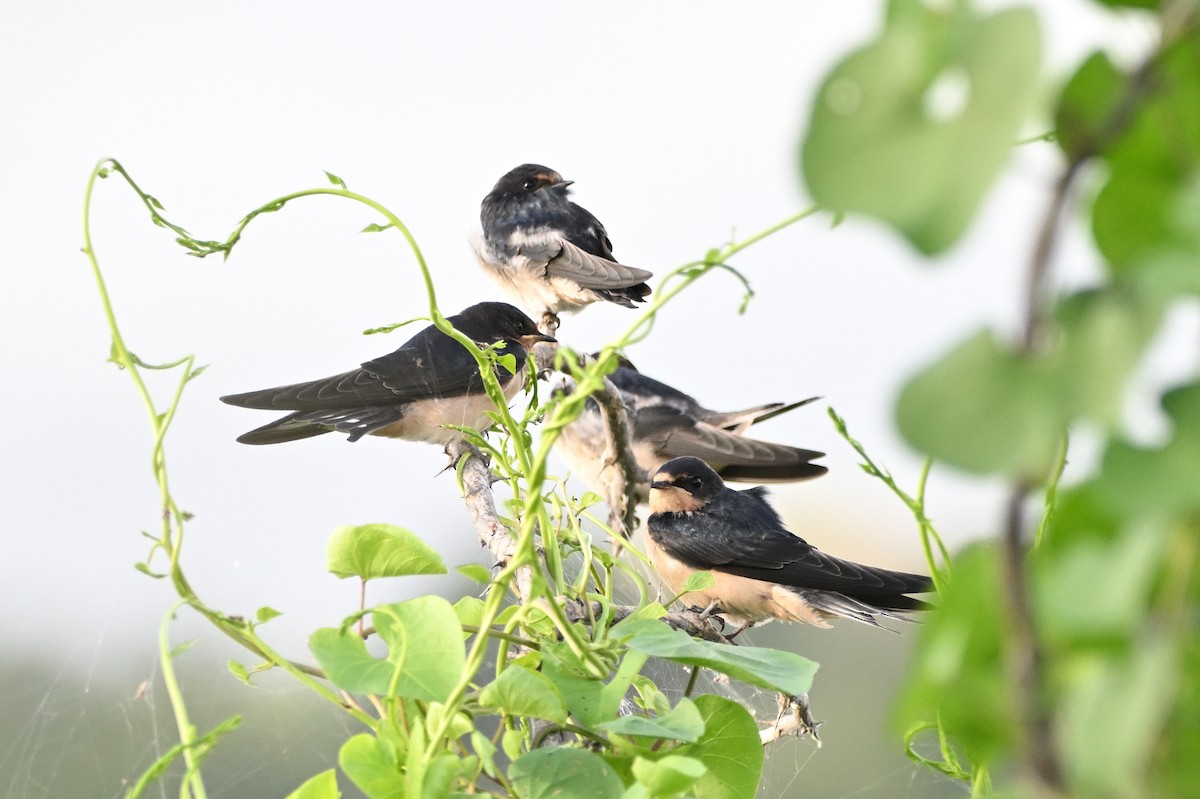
x: 698, y: 581
x: 344, y: 658
x: 380, y: 550
x: 239, y: 670
x: 683, y: 723
x: 335, y: 180
x: 1139, y: 482
x: 958, y: 673
x: 668, y: 776
x: 322, y: 786
x: 476, y: 572
x: 914, y: 127
x: 507, y: 362
x: 266, y: 613
x: 425, y: 652
x: 984, y: 409
x: 485, y: 750
x: 562, y: 773
x: 1101, y: 337
x: 767, y: 668
x: 1140, y: 215
x: 375, y: 228
x: 425, y: 644
x: 373, y: 765
x: 1112, y: 715
x: 1090, y: 589
x: 512, y: 742
x: 1087, y: 104
x: 469, y: 610
x: 730, y: 750
x: 588, y: 699
x: 519, y: 691
x: 582, y: 693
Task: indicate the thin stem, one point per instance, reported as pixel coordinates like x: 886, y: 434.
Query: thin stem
x: 193, y: 781
x: 691, y: 683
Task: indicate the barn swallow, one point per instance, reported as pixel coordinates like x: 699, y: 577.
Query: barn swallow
x: 761, y: 570
x: 414, y: 392
x: 665, y: 423
x: 549, y: 252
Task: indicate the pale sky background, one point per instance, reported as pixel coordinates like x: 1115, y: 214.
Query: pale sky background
x: 679, y: 123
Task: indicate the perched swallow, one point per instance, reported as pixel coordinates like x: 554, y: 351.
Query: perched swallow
x: 761, y: 570
x: 430, y: 382
x: 665, y: 423
x: 550, y: 253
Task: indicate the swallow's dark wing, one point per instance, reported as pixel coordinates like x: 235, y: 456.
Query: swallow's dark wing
x: 589, y: 271
x: 356, y: 422
x: 430, y: 365
x: 640, y: 390
x: 674, y: 434
x: 739, y: 533
x: 740, y: 421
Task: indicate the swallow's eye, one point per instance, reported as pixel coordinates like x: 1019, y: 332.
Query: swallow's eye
x: 530, y: 184
x: 691, y: 484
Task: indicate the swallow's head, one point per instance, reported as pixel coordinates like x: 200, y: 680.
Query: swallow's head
x: 682, y: 485
x: 499, y: 321
x: 528, y: 181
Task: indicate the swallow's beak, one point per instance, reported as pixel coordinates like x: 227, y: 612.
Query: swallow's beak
x: 562, y: 184
x: 660, y: 484
x: 535, y: 338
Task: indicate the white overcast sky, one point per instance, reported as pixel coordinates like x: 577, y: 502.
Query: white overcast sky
x: 679, y: 123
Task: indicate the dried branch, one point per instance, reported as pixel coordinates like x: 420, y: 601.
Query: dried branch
x: 694, y: 623
x: 618, y: 456
x: 477, y: 482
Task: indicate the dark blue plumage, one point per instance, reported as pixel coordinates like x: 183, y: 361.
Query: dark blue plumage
x: 429, y: 382
x: 761, y: 570
x: 551, y: 253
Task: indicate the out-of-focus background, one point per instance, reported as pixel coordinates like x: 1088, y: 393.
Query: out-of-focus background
x: 678, y: 122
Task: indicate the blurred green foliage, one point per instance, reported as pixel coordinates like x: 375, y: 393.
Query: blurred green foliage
x: 1110, y: 579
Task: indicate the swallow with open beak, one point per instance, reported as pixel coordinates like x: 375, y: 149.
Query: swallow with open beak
x: 550, y: 253
x: 430, y: 382
x: 665, y: 423
x: 761, y: 570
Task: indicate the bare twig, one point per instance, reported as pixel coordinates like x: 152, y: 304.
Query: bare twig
x: 481, y: 504
x: 694, y: 623
x: 619, y: 456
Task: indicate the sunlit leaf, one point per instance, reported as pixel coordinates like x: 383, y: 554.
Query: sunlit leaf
x: 767, y: 668
x: 683, y: 723
x: 562, y: 773
x: 983, y: 408
x: 380, y: 550
x: 523, y: 692
x: 729, y: 749
x: 476, y: 572
x: 425, y: 652
x: 373, y: 765
x: 914, y: 127
x: 424, y: 641
x: 958, y: 673
x: 1112, y: 713
x: 668, y: 776
x: 322, y: 786
x: 698, y: 581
